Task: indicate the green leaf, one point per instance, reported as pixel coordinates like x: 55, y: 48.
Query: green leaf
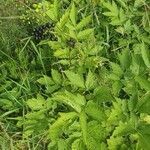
x: 73, y: 14
x: 63, y: 20
x: 90, y: 81
x: 117, y: 70
x: 96, y: 134
x: 144, y: 136
x: 75, y: 79
x: 144, y: 83
x: 36, y: 103
x: 144, y: 104
x: 50, y: 14
x: 145, y: 55
x: 94, y: 111
x: 83, y: 23
x: 125, y: 59
x: 83, y: 124
x: 103, y: 94
x: 75, y: 101
x: 124, y: 128
x: 45, y: 80
x: 57, y: 127
x: 53, y: 11
x: 112, y: 7
x: 84, y: 34
x: 56, y: 9
x: 61, y: 53
x: 56, y: 76
x: 78, y: 145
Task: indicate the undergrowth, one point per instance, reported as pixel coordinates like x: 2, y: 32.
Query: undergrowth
x: 79, y: 79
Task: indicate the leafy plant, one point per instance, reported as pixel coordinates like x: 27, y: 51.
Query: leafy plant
x: 95, y: 92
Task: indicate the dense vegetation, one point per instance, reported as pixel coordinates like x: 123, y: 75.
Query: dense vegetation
x: 75, y: 75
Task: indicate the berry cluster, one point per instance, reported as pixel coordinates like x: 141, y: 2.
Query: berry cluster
x: 42, y: 32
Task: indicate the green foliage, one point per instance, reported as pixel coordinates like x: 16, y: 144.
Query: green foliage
x: 87, y: 89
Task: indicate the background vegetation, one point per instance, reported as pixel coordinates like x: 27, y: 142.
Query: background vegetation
x: 75, y: 75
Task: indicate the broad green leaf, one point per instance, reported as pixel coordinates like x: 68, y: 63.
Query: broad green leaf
x: 144, y: 83
x: 61, y: 53
x: 36, y: 103
x: 57, y: 127
x: 72, y: 100
x: 145, y: 55
x: 90, y: 80
x: 75, y: 79
x: 6, y: 104
x: 124, y: 128
x: 117, y: 70
x: 51, y: 15
x: 84, y: 34
x: 132, y: 102
x: 96, y: 134
x: 77, y: 98
x: 116, y: 112
x: 115, y: 142
x: 52, y: 88
x: 144, y: 136
x: 125, y: 59
x: 112, y: 7
x: 73, y: 14
x: 83, y: 23
x: 64, y: 62
x: 94, y: 111
x: 116, y: 87
x: 63, y: 20
x: 103, y: 94
x: 45, y: 80
x: 144, y: 104
x: 78, y: 145
x: 56, y: 76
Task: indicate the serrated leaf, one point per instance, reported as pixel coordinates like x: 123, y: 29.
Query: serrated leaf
x: 145, y: 55
x: 84, y: 34
x: 73, y: 14
x: 45, y: 80
x: 50, y: 14
x: 112, y: 7
x: 56, y: 76
x: 144, y: 134
x: 56, y: 128
x: 83, y: 124
x: 83, y: 23
x: 78, y: 145
x: 90, y: 80
x: 61, y: 53
x: 117, y: 69
x: 56, y: 9
x: 103, y: 94
x: 144, y: 104
x: 125, y: 59
x: 144, y: 83
x: 36, y: 103
x: 124, y: 128
x: 75, y: 79
x: 94, y: 111
x: 72, y: 100
x: 63, y: 20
